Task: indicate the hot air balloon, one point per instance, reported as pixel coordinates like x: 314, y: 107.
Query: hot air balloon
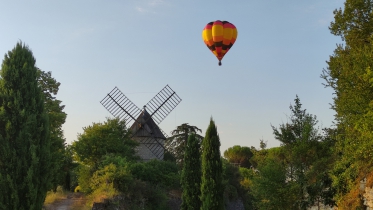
x: 219, y: 36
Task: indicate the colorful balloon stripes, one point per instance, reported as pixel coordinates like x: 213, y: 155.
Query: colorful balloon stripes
x: 219, y: 36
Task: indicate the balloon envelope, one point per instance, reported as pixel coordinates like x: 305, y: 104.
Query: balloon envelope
x: 219, y: 36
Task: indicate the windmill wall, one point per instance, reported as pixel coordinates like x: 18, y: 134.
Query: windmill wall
x: 145, y: 153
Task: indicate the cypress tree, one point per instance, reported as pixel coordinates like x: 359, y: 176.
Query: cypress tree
x: 191, y: 175
x: 24, y: 134
x: 211, y: 187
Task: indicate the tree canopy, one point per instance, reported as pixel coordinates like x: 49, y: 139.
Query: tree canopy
x: 57, y: 118
x: 349, y: 75
x: 306, y: 157
x: 177, y: 142
x: 239, y: 156
x: 25, y: 145
x: 100, y: 139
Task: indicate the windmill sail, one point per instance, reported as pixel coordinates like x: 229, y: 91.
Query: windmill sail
x: 162, y: 104
x: 120, y: 106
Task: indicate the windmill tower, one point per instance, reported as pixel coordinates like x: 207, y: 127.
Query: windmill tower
x: 144, y: 121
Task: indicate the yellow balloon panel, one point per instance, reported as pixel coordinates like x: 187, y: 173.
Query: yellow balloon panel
x: 228, y: 33
x: 217, y: 31
x: 234, y: 36
x: 207, y: 37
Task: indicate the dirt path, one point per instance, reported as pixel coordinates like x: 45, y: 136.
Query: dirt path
x: 72, y: 201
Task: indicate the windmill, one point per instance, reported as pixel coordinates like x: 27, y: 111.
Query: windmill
x: 144, y: 121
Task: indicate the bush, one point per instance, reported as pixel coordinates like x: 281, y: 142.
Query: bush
x: 141, y: 185
x: 163, y: 173
x: 84, y: 178
x: 55, y: 196
x: 108, y: 182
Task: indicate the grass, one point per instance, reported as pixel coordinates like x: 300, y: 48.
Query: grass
x: 100, y: 194
x: 77, y: 201
x: 55, y: 196
x: 80, y: 201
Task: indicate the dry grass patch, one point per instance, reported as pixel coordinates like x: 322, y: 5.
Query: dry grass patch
x: 55, y: 196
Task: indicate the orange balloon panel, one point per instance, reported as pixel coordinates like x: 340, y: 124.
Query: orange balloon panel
x: 219, y: 37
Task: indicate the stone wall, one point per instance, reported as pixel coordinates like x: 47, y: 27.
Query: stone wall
x: 368, y: 194
x: 144, y: 152
x: 368, y: 198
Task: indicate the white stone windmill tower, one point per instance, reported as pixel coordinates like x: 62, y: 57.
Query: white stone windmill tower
x: 145, y: 122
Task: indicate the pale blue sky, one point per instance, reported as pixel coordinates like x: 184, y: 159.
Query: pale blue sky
x: 142, y: 45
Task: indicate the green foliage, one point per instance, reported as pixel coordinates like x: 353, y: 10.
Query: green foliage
x: 68, y: 172
x: 231, y: 181
x: 116, y: 175
x: 349, y: 75
x: 107, y: 169
x: 168, y: 156
x: 156, y: 172
x: 53, y: 196
x: 211, y: 187
x: 112, y: 170
x: 177, y: 142
x: 266, y: 179
x: 60, y: 163
x: 304, y: 148
x: 295, y: 175
x: 191, y: 175
x: 156, y: 197
x: 110, y: 179
x: 84, y: 178
x: 260, y: 156
x: 319, y: 184
x: 239, y: 156
x: 246, y: 181
x: 25, y: 156
x: 114, y: 178
x: 354, y: 23
x: 263, y: 144
x: 271, y: 188
x: 100, y: 139
x: 246, y: 177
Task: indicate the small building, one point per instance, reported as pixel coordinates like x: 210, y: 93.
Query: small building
x: 146, y: 132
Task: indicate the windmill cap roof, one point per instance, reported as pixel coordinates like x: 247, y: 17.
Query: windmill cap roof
x: 144, y: 126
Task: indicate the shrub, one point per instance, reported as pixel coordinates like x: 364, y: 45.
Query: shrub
x: 84, y: 178
x: 55, y: 196
x: 163, y: 173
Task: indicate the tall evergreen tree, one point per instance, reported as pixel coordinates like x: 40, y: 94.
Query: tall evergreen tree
x: 191, y: 175
x: 211, y: 186
x: 24, y: 134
